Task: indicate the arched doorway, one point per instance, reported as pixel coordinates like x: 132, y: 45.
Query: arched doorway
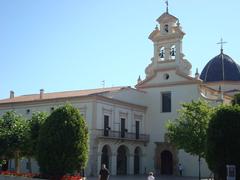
x: 137, y: 156
x: 105, y: 156
x: 166, y: 163
x: 122, y: 160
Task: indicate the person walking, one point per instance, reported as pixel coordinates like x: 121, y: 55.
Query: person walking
x: 180, y: 169
x: 104, y: 173
x: 150, y: 176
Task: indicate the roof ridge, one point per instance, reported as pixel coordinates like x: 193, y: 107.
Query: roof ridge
x: 106, y: 88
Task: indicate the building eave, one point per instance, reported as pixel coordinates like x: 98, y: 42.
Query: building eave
x: 11, y: 105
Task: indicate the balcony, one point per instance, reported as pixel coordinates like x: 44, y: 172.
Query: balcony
x: 118, y: 135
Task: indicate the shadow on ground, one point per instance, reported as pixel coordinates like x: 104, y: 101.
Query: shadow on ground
x: 144, y: 177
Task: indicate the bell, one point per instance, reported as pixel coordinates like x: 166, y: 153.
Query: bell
x: 172, y: 53
x: 161, y: 54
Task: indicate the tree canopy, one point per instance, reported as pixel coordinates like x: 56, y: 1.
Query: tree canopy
x: 35, y: 123
x: 13, y: 136
x: 188, y: 131
x: 63, y: 142
x: 223, y: 140
x: 236, y: 99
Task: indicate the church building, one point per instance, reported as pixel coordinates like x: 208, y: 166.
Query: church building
x: 127, y: 125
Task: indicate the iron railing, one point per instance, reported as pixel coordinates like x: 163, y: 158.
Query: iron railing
x: 101, y: 133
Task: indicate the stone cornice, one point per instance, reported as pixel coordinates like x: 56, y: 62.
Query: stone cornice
x: 179, y: 83
x: 222, y: 83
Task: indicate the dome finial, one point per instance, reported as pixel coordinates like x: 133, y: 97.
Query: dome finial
x: 221, y: 42
x: 166, y: 2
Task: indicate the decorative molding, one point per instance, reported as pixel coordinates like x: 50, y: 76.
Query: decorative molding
x: 138, y: 117
x: 107, y: 111
x: 168, y: 84
x: 212, y: 91
x: 123, y: 115
x: 177, y: 71
x: 122, y: 103
x: 222, y: 83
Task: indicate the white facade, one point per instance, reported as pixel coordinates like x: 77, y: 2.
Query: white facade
x: 126, y: 125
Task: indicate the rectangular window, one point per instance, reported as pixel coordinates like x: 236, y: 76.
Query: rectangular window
x: 123, y: 128
x: 106, y: 125
x: 137, y: 129
x: 166, y: 102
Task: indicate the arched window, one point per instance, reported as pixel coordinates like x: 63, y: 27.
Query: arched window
x: 105, y: 158
x: 122, y: 160
x: 137, y: 160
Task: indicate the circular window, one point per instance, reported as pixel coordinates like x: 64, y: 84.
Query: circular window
x: 166, y: 76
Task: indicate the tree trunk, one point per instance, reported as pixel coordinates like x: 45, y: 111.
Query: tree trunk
x: 17, y: 164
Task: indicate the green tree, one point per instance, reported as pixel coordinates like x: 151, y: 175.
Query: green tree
x: 63, y: 142
x: 35, y: 123
x: 223, y: 141
x: 188, y: 131
x: 236, y: 99
x: 13, y: 137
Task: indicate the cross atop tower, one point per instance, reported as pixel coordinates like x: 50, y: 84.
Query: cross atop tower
x: 221, y: 42
x: 166, y: 2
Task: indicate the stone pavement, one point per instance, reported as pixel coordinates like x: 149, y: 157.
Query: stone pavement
x: 145, y: 178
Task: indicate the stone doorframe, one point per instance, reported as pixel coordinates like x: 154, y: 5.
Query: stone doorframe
x: 165, y: 146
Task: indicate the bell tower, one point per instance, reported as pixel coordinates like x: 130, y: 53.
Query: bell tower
x: 167, y: 40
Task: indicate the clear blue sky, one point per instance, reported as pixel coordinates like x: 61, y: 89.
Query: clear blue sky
x: 62, y: 45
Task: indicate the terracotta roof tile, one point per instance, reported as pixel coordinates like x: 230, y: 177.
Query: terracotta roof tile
x: 56, y: 95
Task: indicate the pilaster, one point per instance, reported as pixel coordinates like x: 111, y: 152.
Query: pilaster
x: 131, y: 164
x: 98, y: 163
x: 114, y: 165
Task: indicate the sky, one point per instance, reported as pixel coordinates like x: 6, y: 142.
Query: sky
x: 60, y: 45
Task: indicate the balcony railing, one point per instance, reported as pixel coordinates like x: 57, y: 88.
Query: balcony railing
x: 119, y: 136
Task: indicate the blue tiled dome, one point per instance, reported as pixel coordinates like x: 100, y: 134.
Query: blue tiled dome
x: 221, y: 68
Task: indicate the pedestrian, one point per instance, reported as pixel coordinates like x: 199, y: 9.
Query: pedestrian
x: 104, y: 173
x: 150, y: 176
x: 180, y: 169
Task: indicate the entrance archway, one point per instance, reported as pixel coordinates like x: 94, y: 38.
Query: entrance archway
x: 166, y: 163
x: 106, y: 156
x: 122, y: 160
x: 137, y: 156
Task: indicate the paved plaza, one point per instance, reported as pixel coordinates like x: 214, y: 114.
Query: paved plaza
x: 145, y: 178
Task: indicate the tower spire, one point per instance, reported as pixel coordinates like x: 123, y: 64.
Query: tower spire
x: 221, y: 42
x: 166, y: 2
